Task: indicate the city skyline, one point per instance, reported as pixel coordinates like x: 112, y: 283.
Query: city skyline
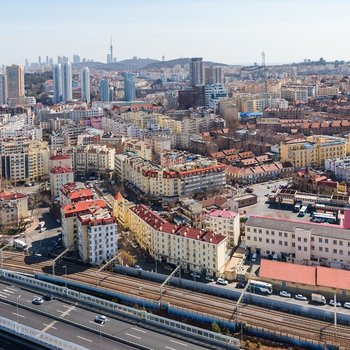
x: 238, y: 31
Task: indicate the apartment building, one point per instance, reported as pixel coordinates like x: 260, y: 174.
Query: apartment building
x: 142, y: 149
x: 314, y: 150
x: 13, y: 209
x: 60, y: 176
x: 197, y: 250
x: 72, y: 193
x: 300, y: 242
x: 294, y: 94
x: 226, y: 222
x: 23, y: 159
x: 179, y: 180
x: 340, y: 167
x: 69, y: 214
x: 96, y: 159
x: 97, y: 236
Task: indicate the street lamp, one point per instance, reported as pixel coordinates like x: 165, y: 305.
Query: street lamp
x: 17, y: 314
x: 65, y: 269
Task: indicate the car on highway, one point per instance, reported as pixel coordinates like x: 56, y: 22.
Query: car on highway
x: 37, y: 300
x: 221, y: 281
x: 100, y: 319
x: 332, y: 303
x: 240, y: 285
x: 138, y: 267
x: 47, y: 297
x: 195, y: 275
x: 300, y: 297
x: 285, y: 294
x: 346, y: 305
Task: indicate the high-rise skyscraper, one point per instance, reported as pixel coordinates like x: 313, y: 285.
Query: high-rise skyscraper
x: 66, y: 69
x: 3, y: 89
x: 85, y: 84
x: 76, y: 58
x: 213, y: 75
x: 129, y: 87
x: 15, y: 84
x: 57, y: 83
x: 104, y: 90
x: 196, y: 71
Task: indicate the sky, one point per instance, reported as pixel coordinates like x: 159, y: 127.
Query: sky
x: 225, y: 31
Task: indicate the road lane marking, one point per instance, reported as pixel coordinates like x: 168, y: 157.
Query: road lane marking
x: 134, y: 336
x: 48, y: 326
x: 3, y: 296
x: 66, y: 313
x: 8, y: 291
x: 177, y: 342
x: 169, y: 348
x: 18, y: 315
x: 15, y: 290
x: 61, y: 312
x: 139, y: 330
x: 78, y: 336
x: 67, y: 306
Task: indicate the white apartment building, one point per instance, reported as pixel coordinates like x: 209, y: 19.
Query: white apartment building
x: 92, y: 159
x: 120, y: 128
x: 82, y: 113
x: 300, y: 242
x: 22, y: 159
x: 97, y: 236
x: 197, y: 250
x: 69, y: 214
x: 340, y: 167
x: 59, y: 176
x: 226, y: 222
x: 142, y: 149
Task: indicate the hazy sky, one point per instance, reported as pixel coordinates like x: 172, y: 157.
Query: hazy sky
x: 228, y: 31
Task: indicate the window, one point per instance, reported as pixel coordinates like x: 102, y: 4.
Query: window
x: 299, y: 247
x: 326, y: 250
x: 335, y: 251
x: 335, y: 242
x: 305, y: 240
x: 320, y: 240
x: 305, y: 249
x: 299, y: 239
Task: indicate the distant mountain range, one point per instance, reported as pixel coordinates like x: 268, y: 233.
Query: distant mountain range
x: 139, y: 64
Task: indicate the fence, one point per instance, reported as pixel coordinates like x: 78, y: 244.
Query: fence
x: 37, y: 337
x: 186, y: 330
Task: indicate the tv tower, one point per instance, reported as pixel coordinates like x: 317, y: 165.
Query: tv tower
x: 111, y: 49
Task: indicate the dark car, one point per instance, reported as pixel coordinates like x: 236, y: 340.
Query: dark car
x: 47, y: 297
x: 249, y: 190
x: 240, y: 285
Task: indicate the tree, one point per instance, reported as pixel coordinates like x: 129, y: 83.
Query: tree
x: 215, y: 327
x: 126, y: 258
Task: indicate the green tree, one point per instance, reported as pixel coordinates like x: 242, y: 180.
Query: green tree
x: 215, y: 327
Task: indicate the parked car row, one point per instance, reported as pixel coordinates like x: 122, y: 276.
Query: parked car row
x: 315, y: 298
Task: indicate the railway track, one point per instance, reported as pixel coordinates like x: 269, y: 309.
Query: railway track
x: 207, y: 304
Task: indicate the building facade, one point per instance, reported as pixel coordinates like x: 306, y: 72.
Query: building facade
x: 85, y: 84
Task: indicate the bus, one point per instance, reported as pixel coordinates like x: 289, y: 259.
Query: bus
x: 303, y: 210
x: 260, y: 287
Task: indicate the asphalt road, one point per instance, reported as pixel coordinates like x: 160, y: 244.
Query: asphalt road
x: 76, y: 314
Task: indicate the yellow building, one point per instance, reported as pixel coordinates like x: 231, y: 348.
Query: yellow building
x: 314, y: 150
x: 197, y: 250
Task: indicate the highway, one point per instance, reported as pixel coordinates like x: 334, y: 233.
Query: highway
x: 271, y: 320
x: 80, y: 316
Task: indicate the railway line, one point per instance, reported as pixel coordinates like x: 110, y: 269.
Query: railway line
x: 222, y: 308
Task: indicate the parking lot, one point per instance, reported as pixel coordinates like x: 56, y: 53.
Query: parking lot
x: 262, y: 207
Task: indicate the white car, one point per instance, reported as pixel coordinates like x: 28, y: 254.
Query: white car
x: 300, y: 297
x: 347, y: 305
x: 37, y: 300
x: 43, y: 229
x: 100, y: 319
x: 221, y: 281
x: 138, y: 267
x: 285, y: 294
x: 331, y: 302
